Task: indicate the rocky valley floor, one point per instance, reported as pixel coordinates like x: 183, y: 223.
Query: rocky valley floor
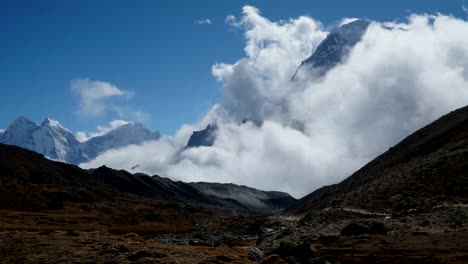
x: 328, y: 236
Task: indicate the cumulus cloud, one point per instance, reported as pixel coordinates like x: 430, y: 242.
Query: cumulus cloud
x: 93, y: 95
x: 100, y: 130
x: 316, y: 130
x: 205, y: 21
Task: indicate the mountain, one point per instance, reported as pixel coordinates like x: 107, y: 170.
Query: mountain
x: 333, y: 49
x: 46, y: 183
x: 248, y: 197
x: 57, y: 143
x: 50, y: 138
x: 131, y: 133
x: 205, y: 137
x: 409, y: 205
x: 428, y: 168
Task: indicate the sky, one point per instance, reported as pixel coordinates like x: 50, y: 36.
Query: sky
x: 157, y: 54
x: 177, y: 66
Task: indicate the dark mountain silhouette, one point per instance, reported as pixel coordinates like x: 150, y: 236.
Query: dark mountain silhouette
x: 38, y: 183
x: 205, y: 137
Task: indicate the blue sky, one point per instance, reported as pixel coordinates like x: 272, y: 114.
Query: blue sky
x: 154, y: 50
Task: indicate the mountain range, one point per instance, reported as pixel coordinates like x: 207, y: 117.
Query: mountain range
x: 406, y: 206
x: 57, y: 143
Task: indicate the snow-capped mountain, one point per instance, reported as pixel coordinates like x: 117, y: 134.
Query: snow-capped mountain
x: 20, y: 133
x: 53, y: 140
x: 335, y: 47
x: 128, y: 134
x: 50, y: 138
x: 56, y: 142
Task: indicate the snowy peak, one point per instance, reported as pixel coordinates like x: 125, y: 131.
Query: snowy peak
x: 135, y: 132
x: 334, y: 48
x: 54, y: 124
x: 50, y: 138
x: 128, y: 134
x: 19, y: 133
x: 53, y: 140
x: 352, y: 32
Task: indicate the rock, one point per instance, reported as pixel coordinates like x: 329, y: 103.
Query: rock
x: 72, y: 233
x: 46, y: 233
x: 372, y: 228
x: 145, y: 254
x: 255, y: 253
x: 377, y: 228
x: 354, y: 229
x: 328, y: 240
x: 223, y: 259
x: 298, y: 252
x: 273, y: 259
x: 132, y: 236
x: 419, y: 233
x: 254, y: 229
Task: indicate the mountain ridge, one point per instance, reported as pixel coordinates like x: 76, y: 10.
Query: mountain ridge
x: 56, y: 142
x: 334, y: 48
x: 33, y: 170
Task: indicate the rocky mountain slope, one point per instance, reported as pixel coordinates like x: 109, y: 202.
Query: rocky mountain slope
x: 202, y: 138
x: 409, y: 205
x: 428, y: 168
x: 38, y: 183
x: 246, y: 196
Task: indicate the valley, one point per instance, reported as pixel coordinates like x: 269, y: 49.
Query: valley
x: 105, y: 215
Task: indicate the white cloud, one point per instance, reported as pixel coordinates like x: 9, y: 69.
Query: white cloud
x: 93, y: 95
x: 95, y: 100
x: 465, y: 8
x: 316, y: 131
x: 204, y: 22
x: 1, y: 131
x: 100, y: 130
x: 232, y: 21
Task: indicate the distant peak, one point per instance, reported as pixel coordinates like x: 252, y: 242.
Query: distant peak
x: 22, y: 119
x: 355, y: 22
x: 53, y: 123
x: 22, y: 122
x: 48, y: 120
x: 131, y: 125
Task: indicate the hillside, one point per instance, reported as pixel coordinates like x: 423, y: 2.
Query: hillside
x: 409, y: 205
x: 428, y: 168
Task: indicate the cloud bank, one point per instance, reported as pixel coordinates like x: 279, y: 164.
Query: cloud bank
x: 316, y: 130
